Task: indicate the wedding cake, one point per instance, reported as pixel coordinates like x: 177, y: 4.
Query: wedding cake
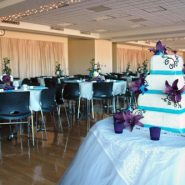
x: 160, y: 108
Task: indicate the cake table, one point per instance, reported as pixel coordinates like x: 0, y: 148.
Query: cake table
x: 130, y: 158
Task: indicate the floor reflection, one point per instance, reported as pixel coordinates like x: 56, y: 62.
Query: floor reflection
x: 45, y: 163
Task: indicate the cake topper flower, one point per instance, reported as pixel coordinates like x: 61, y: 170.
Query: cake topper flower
x: 160, y: 49
x: 139, y: 86
x: 173, y: 93
x: 131, y: 120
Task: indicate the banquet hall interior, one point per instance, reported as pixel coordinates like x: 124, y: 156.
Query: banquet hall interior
x: 56, y: 51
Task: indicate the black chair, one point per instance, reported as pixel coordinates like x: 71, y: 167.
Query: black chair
x: 102, y: 91
x: 48, y: 105
x: 60, y: 99
x: 51, y: 82
x: 14, y: 108
x: 34, y: 81
x: 26, y: 81
x: 71, y: 93
x: 48, y: 82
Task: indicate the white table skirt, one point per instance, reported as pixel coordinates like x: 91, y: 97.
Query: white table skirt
x: 131, y: 158
x: 86, y: 89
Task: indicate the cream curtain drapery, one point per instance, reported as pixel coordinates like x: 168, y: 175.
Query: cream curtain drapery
x: 134, y: 57
x: 31, y: 58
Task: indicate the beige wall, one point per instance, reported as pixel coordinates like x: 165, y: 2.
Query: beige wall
x: 81, y: 52
x: 103, y: 55
x: 33, y: 36
x: 114, y: 57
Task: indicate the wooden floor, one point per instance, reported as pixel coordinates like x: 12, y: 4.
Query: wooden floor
x: 44, y: 164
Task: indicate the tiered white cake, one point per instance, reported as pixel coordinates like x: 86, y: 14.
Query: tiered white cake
x: 158, y: 112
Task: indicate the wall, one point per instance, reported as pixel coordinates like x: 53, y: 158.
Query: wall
x: 41, y: 37
x: 124, y: 55
x: 81, y: 52
x: 114, y: 57
x: 103, y: 55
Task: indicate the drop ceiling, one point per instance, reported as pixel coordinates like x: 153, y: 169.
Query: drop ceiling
x: 116, y: 20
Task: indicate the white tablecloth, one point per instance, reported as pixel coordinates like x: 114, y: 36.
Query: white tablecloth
x: 131, y: 158
x: 35, y: 99
x: 35, y: 93
x: 86, y: 89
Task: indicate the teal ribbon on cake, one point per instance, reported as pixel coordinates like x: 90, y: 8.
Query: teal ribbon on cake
x: 156, y: 92
x: 163, y: 72
x: 157, y: 109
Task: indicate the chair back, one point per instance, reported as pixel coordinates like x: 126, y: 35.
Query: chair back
x: 34, y: 81
x: 59, y: 90
x: 71, y: 91
x: 14, y: 102
x: 26, y: 81
x: 48, y: 82
x: 48, y: 99
x: 102, y: 90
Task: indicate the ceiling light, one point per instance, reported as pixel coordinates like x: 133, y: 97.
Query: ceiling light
x: 102, y: 18
x: 137, y: 20
x: 65, y: 24
x: 99, y: 8
x: 42, y: 8
x: 100, y: 30
x: 135, y: 26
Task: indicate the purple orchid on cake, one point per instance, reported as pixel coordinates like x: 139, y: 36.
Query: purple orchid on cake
x: 174, y: 94
x: 139, y: 86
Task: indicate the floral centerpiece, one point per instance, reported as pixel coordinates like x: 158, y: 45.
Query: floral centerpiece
x: 127, y: 119
x: 128, y: 70
x: 58, y: 70
x: 94, y: 71
x: 143, y: 69
x: 6, y: 77
x: 6, y: 69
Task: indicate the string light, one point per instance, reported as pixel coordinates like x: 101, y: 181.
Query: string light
x: 14, y: 19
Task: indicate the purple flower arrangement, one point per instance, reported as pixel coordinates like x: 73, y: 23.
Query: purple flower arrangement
x: 161, y: 49
x: 126, y: 119
x: 131, y: 120
x: 139, y: 86
x: 6, y: 78
x: 173, y: 93
x: 7, y: 82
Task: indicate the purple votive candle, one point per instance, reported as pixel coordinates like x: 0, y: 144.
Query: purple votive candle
x: 118, y: 125
x: 155, y: 133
